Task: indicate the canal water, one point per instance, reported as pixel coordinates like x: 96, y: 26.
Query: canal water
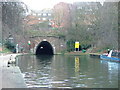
x: 60, y: 71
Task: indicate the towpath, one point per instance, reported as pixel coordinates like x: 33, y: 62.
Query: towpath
x: 10, y: 77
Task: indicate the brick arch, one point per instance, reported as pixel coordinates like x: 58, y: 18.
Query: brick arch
x: 58, y: 43
x: 44, y: 48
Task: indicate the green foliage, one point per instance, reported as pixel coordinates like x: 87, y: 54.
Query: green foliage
x: 5, y: 50
x: 34, y: 32
x: 70, y: 45
x: 54, y: 28
x: 10, y: 46
x: 41, y: 25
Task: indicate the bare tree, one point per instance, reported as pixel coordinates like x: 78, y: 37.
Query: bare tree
x: 12, y: 20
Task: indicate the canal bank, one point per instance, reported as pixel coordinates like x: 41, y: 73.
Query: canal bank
x: 81, y: 53
x: 11, y: 77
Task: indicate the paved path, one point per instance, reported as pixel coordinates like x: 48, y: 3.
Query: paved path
x: 10, y: 77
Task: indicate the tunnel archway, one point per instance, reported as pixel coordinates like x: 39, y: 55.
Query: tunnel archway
x: 44, y: 48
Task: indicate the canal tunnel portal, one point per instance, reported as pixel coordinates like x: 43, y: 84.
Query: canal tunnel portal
x: 47, y: 44
x: 44, y: 48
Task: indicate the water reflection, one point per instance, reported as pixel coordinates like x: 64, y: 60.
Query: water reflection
x: 77, y: 64
x: 44, y: 57
x: 61, y: 71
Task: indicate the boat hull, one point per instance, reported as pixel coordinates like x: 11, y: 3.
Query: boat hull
x: 110, y: 58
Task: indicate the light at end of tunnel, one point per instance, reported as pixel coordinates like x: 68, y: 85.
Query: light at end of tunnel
x: 44, y: 40
x: 41, y: 47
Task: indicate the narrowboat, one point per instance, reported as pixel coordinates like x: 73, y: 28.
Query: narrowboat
x: 112, y: 56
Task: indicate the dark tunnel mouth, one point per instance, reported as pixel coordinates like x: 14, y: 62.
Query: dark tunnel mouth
x: 44, y: 48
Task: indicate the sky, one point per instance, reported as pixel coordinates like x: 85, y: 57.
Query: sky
x: 42, y: 4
